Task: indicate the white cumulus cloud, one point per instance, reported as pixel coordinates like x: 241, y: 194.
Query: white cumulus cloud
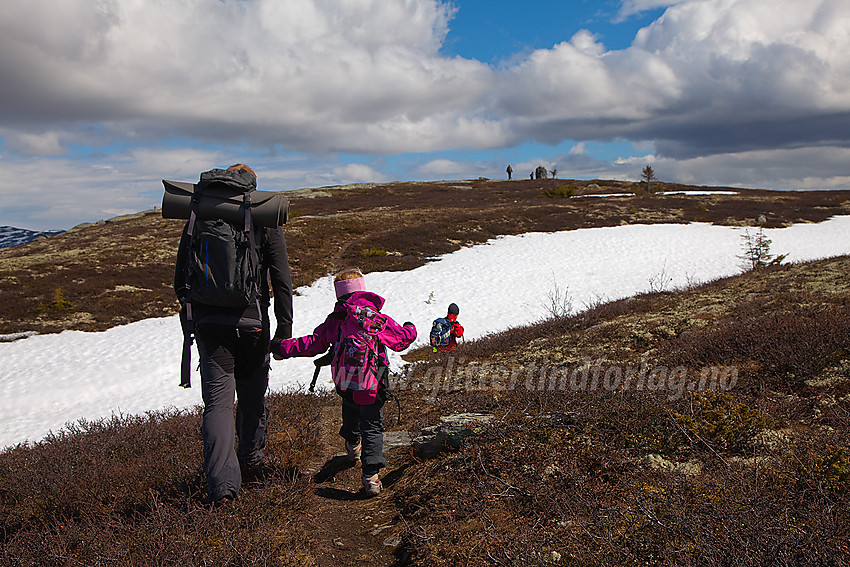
x: 147, y: 87
x: 306, y: 74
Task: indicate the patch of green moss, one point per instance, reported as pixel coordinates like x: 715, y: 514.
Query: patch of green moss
x: 718, y: 419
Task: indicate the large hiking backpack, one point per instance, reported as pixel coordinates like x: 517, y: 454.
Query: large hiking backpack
x: 357, y: 362
x: 441, y: 332
x: 223, y: 268
x: 222, y: 263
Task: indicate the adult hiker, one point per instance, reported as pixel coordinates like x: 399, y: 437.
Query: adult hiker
x: 222, y: 279
x: 359, y: 335
x: 510, y: 170
x: 445, y: 331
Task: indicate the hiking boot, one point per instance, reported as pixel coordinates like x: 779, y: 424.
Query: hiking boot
x: 256, y: 460
x: 372, y: 485
x: 257, y: 468
x: 352, y: 452
x: 222, y: 501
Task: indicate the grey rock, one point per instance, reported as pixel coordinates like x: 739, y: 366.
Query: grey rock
x: 449, y: 434
x: 396, y: 439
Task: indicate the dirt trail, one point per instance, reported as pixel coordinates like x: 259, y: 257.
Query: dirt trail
x: 350, y: 529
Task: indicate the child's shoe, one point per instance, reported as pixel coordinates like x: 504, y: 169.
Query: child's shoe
x: 353, y: 451
x: 372, y: 485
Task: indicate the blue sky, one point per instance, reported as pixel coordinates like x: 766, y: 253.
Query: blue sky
x: 100, y: 101
x: 503, y: 29
x: 500, y: 31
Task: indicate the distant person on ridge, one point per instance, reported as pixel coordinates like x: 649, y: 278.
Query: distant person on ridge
x: 445, y: 331
x: 510, y: 170
x: 359, y: 335
x: 227, y: 311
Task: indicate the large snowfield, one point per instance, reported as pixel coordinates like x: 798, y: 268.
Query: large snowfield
x: 47, y: 381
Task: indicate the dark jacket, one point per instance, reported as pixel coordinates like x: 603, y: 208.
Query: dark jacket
x: 275, y: 272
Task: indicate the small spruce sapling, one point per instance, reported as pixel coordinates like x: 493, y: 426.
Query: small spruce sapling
x: 648, y: 175
x: 757, y: 253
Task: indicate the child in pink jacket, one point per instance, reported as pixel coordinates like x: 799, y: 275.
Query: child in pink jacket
x: 356, y: 314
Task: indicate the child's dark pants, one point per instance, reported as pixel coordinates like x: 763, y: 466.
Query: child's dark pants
x: 365, y: 424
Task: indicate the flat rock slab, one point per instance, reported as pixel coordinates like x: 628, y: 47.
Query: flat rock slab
x: 449, y: 434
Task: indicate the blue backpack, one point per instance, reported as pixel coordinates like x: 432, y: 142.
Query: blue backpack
x: 441, y: 332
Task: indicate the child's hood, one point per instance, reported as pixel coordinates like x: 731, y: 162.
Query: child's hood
x: 361, y: 299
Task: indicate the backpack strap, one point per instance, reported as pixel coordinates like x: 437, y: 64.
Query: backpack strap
x: 190, y: 231
x: 193, y: 211
x: 186, y: 356
x: 254, y: 256
x: 187, y: 320
x: 382, y: 371
x: 335, y: 350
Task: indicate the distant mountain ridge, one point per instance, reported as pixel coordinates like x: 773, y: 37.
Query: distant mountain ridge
x: 11, y: 236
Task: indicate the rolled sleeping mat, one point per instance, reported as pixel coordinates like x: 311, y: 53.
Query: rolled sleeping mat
x: 219, y: 201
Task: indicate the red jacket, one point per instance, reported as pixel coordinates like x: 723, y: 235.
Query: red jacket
x: 457, y: 332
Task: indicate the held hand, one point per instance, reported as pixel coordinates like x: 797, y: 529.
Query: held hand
x: 274, y: 349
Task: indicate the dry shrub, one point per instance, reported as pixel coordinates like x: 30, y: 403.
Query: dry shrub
x: 130, y: 491
x: 635, y: 478
x: 782, y: 347
x: 553, y: 481
x: 554, y: 327
x: 90, y: 468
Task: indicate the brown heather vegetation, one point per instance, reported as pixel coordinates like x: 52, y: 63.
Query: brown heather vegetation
x: 756, y: 475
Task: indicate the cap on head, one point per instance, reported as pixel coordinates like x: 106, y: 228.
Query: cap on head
x: 454, y: 309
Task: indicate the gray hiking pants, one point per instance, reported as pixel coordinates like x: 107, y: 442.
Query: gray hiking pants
x: 234, y: 366
x: 365, y: 423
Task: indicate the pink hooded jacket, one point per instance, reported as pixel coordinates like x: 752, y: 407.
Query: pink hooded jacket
x: 394, y: 336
